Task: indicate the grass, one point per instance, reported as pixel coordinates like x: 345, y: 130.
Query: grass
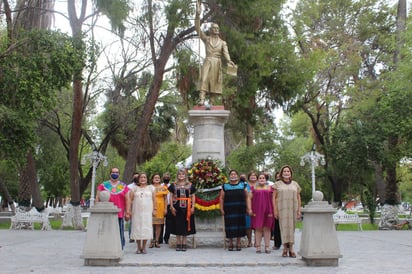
x: 55, y: 224
x: 348, y: 227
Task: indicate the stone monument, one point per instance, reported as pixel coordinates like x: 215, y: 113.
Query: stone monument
x: 208, y: 135
x: 319, y: 242
x: 102, y: 246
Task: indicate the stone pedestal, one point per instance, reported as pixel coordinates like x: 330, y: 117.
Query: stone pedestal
x: 208, y: 137
x: 319, y: 242
x: 103, y: 246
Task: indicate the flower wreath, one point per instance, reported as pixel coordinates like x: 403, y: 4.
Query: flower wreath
x: 208, y: 177
x: 206, y: 174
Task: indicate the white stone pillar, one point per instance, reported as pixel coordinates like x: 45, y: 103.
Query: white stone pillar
x: 319, y: 244
x: 208, y: 137
x: 103, y: 246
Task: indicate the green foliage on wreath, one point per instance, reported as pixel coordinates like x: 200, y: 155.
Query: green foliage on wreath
x: 207, y: 174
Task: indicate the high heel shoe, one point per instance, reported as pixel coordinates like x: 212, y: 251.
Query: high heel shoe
x: 156, y: 244
x: 151, y: 244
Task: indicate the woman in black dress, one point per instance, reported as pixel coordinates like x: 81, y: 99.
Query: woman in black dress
x: 182, y: 207
x: 233, y: 208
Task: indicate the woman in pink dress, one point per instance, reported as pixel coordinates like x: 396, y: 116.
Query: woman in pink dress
x: 260, y: 207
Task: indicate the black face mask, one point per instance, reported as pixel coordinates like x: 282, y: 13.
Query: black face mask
x: 242, y: 179
x: 135, y: 180
x: 166, y: 181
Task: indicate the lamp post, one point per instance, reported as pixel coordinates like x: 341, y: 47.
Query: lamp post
x: 95, y: 158
x: 313, y: 158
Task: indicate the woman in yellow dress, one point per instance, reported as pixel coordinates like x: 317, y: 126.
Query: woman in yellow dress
x: 161, y: 203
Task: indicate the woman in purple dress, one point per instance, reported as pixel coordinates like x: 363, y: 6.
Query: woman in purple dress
x: 260, y: 207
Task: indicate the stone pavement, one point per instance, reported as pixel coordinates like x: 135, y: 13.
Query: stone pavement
x: 59, y: 251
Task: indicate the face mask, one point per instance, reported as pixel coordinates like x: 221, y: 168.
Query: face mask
x: 166, y: 181
x: 286, y: 176
x: 114, y: 176
x: 242, y: 179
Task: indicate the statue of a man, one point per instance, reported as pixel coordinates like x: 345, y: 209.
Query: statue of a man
x: 211, y: 72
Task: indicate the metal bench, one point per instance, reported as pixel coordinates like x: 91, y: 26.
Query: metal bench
x: 26, y: 219
x: 341, y: 217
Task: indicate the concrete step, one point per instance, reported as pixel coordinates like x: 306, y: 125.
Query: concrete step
x: 206, y: 239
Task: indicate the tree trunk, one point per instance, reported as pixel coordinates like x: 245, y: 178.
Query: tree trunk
x: 135, y: 147
x: 77, y: 117
x: 250, y: 135
x: 6, y: 196
x: 169, y: 44
x: 389, y: 211
x: 37, y: 200
x: 31, y: 15
x: 379, y: 183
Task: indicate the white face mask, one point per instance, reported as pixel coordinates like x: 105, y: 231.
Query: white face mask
x: 287, y: 176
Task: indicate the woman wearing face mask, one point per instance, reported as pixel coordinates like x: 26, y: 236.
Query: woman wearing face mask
x: 118, y: 196
x: 233, y: 208
x: 287, y: 203
x: 260, y: 207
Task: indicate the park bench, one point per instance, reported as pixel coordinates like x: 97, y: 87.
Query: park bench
x: 26, y: 219
x: 341, y: 217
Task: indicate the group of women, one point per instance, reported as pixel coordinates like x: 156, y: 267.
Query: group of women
x: 147, y: 209
x: 264, y: 204
x: 247, y: 204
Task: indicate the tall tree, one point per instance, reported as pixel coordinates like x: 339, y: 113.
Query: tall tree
x: 31, y: 74
x: 345, y: 53
x: 162, y: 38
x: 116, y: 11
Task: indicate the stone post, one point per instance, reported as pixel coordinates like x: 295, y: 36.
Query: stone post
x: 208, y: 137
x: 319, y: 242
x: 102, y: 246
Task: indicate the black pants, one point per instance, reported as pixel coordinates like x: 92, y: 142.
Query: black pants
x: 168, y: 225
x: 276, y: 234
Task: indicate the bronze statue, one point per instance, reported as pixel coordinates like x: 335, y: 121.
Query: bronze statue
x: 211, y: 72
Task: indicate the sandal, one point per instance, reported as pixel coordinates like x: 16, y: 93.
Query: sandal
x: 178, y: 247
x: 184, y: 248
x: 267, y: 250
x: 258, y: 251
x: 238, y: 248
x: 157, y: 244
x: 138, y: 251
x: 285, y: 253
x: 143, y: 251
x: 230, y: 248
x: 292, y: 254
x: 151, y: 244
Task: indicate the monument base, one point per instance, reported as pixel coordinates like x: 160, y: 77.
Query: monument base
x: 319, y: 244
x: 102, y: 262
x: 320, y: 261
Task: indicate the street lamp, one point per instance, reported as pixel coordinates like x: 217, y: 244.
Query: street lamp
x: 313, y: 158
x: 95, y: 158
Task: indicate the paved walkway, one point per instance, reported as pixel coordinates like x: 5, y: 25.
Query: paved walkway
x: 61, y: 252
